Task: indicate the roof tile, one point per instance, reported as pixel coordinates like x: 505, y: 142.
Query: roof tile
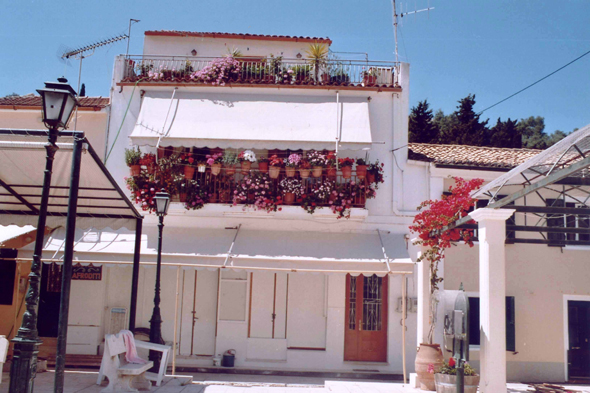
x: 273, y: 37
x: 34, y: 100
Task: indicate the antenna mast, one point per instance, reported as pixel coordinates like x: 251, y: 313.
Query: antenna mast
x: 401, y: 15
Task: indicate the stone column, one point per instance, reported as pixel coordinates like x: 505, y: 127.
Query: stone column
x: 492, y: 298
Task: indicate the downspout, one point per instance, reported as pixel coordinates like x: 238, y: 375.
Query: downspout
x: 394, y: 205
x: 338, y: 132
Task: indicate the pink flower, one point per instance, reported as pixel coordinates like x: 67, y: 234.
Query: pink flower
x: 430, y: 368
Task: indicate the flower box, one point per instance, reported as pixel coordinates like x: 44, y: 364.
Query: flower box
x: 446, y: 383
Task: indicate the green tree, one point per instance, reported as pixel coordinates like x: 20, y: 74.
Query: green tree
x: 446, y: 125
x: 422, y: 129
x: 505, y: 134
x: 470, y: 131
x: 83, y: 90
x: 556, y: 137
x: 533, y: 134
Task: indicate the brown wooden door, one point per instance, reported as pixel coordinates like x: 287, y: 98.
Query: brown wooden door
x: 365, y: 337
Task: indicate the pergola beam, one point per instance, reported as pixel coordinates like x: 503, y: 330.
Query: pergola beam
x: 531, y: 228
x: 19, y: 197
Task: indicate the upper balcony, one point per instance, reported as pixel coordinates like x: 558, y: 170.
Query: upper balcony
x: 259, y: 71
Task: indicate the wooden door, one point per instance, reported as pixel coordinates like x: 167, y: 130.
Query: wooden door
x: 579, y: 339
x: 268, y: 305
x: 365, y: 337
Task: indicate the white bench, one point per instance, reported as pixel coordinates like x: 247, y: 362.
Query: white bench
x: 3, y: 353
x: 127, y: 368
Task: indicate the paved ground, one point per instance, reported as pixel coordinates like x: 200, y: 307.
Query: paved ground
x: 85, y: 382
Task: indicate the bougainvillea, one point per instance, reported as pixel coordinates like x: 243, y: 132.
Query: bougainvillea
x: 434, y: 216
x: 219, y: 72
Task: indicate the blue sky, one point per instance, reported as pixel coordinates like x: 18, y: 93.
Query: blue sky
x: 490, y: 48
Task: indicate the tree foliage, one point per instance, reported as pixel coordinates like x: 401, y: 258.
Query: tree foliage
x: 421, y: 127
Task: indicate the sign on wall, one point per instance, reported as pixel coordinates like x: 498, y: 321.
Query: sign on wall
x: 88, y: 273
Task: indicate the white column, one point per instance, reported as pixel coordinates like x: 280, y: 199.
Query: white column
x: 492, y: 298
x: 423, y: 293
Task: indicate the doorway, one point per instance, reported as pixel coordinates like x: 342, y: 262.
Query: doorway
x: 578, y: 357
x: 49, y: 297
x: 365, y: 337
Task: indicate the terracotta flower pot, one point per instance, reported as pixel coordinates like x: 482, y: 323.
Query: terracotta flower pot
x: 369, y: 80
x: 370, y: 177
x: 213, y: 198
x: 274, y: 172
x: 135, y: 170
x: 346, y: 172
x: 304, y: 173
x: 182, y: 196
x: 331, y: 172
x: 230, y: 170
x: 446, y: 383
x: 361, y: 171
x: 263, y: 167
x: 428, y: 354
x: 246, y: 165
x: 189, y: 172
x: 215, y: 169
x: 317, y: 171
x: 289, y: 198
x: 202, y: 168
x: 290, y: 171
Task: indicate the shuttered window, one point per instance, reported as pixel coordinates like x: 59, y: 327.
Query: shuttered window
x: 510, y: 323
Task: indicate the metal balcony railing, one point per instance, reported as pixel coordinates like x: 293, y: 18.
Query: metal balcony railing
x: 269, y: 70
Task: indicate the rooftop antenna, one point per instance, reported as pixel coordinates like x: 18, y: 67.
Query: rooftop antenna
x: 87, y: 51
x: 401, y: 15
x: 131, y: 21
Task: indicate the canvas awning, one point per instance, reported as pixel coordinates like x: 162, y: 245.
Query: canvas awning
x: 252, y: 122
x: 253, y: 250
x: 101, y: 202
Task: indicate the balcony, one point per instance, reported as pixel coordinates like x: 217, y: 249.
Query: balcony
x: 247, y: 71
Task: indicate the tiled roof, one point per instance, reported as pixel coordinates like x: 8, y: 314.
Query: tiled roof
x: 239, y: 36
x: 34, y: 100
x: 470, y: 156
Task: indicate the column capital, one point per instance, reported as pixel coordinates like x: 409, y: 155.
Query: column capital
x: 483, y: 214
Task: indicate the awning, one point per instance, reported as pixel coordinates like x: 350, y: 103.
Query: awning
x: 101, y: 202
x: 252, y: 122
x: 8, y: 233
x: 254, y: 250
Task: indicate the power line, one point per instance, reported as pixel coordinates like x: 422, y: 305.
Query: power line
x: 532, y: 84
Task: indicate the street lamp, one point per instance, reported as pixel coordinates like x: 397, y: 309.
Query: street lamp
x: 162, y: 203
x: 59, y: 101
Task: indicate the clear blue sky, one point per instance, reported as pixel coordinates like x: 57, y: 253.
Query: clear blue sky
x: 490, y: 48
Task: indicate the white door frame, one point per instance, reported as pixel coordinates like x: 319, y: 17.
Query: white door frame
x: 566, y: 332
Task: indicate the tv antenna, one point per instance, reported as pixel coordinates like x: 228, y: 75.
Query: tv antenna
x: 401, y: 15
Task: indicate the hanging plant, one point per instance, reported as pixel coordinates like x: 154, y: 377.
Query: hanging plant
x: 428, y: 224
x: 196, y: 195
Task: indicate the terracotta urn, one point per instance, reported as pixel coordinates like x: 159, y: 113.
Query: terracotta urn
x: 428, y: 354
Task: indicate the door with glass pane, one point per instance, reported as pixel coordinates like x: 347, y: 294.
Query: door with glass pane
x: 365, y: 337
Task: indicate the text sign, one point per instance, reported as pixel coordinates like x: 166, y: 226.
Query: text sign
x: 88, y: 273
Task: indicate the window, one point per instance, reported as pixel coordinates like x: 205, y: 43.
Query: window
x: 7, y: 271
x: 510, y: 323
x: 481, y: 203
x: 232, y: 295
x: 566, y: 221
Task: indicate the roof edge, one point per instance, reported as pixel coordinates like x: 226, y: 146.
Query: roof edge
x: 238, y: 36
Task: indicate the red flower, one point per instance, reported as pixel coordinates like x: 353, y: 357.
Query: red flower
x: 451, y: 362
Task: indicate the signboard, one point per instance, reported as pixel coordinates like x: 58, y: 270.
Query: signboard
x: 88, y: 273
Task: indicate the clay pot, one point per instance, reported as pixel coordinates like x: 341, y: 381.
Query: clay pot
x: 230, y: 170
x: 446, y: 383
x: 370, y: 177
x: 274, y: 172
x: 331, y: 172
x: 213, y: 198
x: 346, y: 172
x: 246, y: 165
x: 182, y: 196
x: 290, y: 171
x: 189, y: 172
x: 202, y: 168
x: 428, y: 354
x: 289, y: 198
x: 361, y: 171
x: 317, y: 171
x: 135, y: 170
x: 215, y: 169
x: 263, y: 167
x: 304, y: 173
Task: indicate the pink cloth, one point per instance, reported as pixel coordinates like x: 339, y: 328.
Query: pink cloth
x: 130, y: 350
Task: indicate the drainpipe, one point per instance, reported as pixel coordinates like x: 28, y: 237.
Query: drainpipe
x: 338, y: 134
x: 394, y: 205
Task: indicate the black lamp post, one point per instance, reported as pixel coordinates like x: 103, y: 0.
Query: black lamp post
x: 162, y: 203
x: 59, y: 101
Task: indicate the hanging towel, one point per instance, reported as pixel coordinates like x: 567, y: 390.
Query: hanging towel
x: 130, y: 350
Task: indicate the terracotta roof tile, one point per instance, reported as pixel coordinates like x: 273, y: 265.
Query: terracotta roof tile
x: 470, y: 156
x: 34, y: 100
x: 241, y: 36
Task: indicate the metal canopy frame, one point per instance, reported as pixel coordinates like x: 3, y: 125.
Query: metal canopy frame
x: 559, y: 176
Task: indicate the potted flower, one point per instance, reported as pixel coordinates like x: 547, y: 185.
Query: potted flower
x: 317, y: 161
x: 445, y: 377
x: 132, y: 159
x: 196, y: 196
x: 304, y: 168
x: 189, y: 170
x: 214, y: 161
x: 331, y: 165
x: 230, y: 160
x: 201, y: 166
x: 318, y: 195
x: 275, y: 164
x: 369, y: 77
x: 246, y: 158
x: 291, y: 163
x: 290, y: 188
x: 361, y: 168
x: 263, y: 165
x: 346, y: 167
x: 149, y: 162
x: 375, y: 173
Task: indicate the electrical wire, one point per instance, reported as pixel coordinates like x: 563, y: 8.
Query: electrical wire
x: 532, y: 84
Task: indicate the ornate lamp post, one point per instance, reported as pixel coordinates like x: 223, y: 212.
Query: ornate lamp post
x: 59, y: 101
x: 162, y: 203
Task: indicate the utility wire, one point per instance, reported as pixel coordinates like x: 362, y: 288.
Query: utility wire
x: 532, y: 84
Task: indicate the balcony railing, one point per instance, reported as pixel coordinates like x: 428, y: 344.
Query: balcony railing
x: 271, y: 70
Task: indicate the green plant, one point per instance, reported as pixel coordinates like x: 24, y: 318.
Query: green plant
x: 339, y: 75
x: 234, y: 52
x: 449, y: 368
x: 317, y: 55
x: 132, y: 156
x: 230, y: 158
x: 361, y: 161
